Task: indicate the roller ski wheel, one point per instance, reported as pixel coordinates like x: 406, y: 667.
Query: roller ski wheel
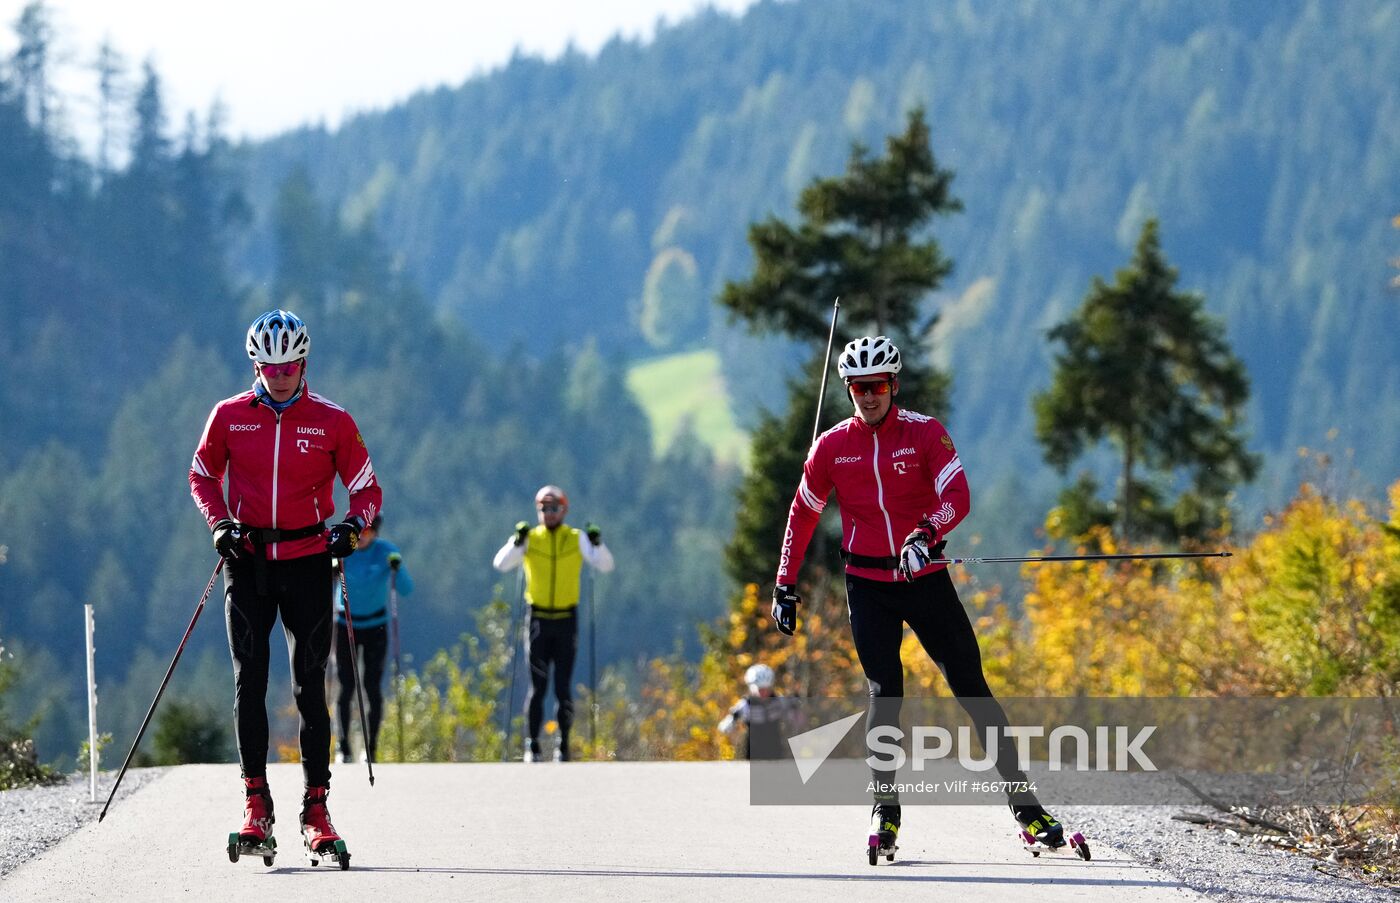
x: 1040, y: 832
x: 884, y: 828
x: 248, y: 845
x: 1075, y: 843
x: 881, y: 847
x: 334, y: 850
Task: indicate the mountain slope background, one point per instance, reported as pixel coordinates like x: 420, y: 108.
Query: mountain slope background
x: 541, y: 203
x: 490, y: 269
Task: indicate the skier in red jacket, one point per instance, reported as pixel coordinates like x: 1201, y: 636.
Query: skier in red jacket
x: 279, y: 447
x: 901, y: 488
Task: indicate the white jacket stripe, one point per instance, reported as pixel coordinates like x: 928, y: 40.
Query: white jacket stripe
x: 809, y: 498
x: 362, y: 479
x: 950, y: 470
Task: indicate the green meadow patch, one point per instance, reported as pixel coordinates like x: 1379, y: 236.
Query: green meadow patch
x: 687, y: 391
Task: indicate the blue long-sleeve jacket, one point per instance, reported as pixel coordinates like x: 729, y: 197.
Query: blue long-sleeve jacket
x: 368, y: 574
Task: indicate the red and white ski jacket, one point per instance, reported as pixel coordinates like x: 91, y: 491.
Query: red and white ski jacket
x: 282, y: 468
x: 887, y: 479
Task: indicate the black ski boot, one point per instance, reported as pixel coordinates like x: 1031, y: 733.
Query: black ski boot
x: 1040, y: 831
x: 884, y: 828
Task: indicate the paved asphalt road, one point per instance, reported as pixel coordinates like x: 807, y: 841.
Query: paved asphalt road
x: 578, y: 831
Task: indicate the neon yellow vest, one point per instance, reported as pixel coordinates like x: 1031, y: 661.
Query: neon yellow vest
x: 553, y: 566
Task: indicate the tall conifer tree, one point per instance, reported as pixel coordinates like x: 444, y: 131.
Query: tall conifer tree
x: 1144, y: 367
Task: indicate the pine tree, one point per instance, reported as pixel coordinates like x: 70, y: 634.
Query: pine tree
x: 1143, y: 366
x: 150, y: 145
x: 110, y: 68
x: 859, y: 239
x: 33, y: 62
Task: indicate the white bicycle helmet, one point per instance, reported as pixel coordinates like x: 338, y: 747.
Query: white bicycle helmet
x: 758, y: 677
x: 551, y: 493
x: 868, y: 356
x: 278, y: 337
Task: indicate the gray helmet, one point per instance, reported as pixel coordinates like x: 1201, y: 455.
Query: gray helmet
x: 868, y: 356
x: 759, y: 677
x: 278, y: 337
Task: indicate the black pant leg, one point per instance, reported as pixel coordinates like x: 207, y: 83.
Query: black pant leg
x: 877, y: 629
x: 248, y: 619
x: 940, y: 622
x: 537, y: 653
x: 565, y: 652
x: 375, y: 646
x: 303, y: 587
x: 345, y: 697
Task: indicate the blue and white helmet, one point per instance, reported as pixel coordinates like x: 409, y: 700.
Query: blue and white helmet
x: 868, y: 356
x: 278, y: 337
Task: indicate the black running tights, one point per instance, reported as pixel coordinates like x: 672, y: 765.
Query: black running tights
x: 299, y: 589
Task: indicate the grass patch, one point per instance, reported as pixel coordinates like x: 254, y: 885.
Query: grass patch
x: 687, y: 389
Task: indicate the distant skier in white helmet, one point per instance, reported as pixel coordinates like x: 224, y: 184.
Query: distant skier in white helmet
x: 762, y: 711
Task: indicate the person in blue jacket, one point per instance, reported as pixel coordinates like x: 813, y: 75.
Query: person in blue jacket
x: 367, y: 573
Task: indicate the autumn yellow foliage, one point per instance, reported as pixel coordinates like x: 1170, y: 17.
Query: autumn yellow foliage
x: 1310, y: 605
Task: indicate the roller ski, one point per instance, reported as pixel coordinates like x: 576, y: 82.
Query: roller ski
x: 884, y: 828
x: 1040, y: 832
x: 255, y: 837
x: 322, y: 842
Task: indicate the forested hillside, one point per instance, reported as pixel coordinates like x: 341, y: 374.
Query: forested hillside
x: 551, y: 201
x: 482, y: 265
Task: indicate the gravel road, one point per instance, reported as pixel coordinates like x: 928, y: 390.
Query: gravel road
x: 35, y: 818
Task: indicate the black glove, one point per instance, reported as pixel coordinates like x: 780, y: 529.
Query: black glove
x: 341, y: 541
x: 784, y: 611
x: 228, y: 539
x: 594, y: 533
x: 921, y: 546
x: 395, y: 561
x: 522, y: 530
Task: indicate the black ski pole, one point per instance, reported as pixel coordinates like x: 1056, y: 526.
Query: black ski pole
x: 355, y: 668
x: 515, y: 616
x: 398, y: 666
x: 169, y: 671
x: 592, y: 669
x: 1044, y: 559
x: 826, y: 361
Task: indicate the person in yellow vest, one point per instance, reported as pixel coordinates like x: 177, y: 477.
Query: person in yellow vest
x: 553, y: 556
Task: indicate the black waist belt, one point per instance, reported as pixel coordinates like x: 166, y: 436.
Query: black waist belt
x: 266, y: 536
x: 553, y: 614
x: 262, y: 537
x: 885, y: 563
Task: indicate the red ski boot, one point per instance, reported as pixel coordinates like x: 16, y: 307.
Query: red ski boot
x: 255, y: 837
x: 316, y: 829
